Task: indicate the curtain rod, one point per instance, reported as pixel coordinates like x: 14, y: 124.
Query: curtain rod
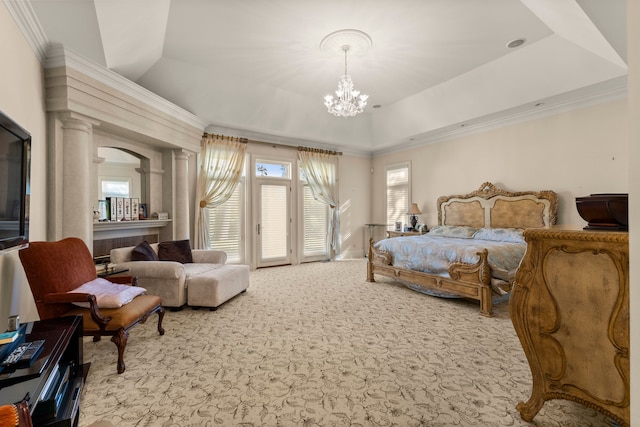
x: 321, y: 151
x: 232, y: 138
x: 276, y: 145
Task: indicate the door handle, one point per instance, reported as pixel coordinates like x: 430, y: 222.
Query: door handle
x: 258, y: 229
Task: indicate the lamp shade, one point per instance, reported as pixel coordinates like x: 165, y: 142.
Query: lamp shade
x: 414, y: 210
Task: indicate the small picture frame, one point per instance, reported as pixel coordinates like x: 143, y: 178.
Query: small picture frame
x: 102, y: 208
x: 398, y: 225
x: 142, y: 211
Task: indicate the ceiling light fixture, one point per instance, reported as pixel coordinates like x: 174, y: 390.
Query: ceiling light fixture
x: 348, y: 101
x: 515, y: 43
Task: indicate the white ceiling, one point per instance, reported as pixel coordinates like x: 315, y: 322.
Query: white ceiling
x: 255, y: 67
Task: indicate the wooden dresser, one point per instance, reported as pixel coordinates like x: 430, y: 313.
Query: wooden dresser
x: 570, y: 309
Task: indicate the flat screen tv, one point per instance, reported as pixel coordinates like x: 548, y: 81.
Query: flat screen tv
x: 15, y: 159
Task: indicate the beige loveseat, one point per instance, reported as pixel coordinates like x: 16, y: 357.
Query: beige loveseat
x: 212, y: 282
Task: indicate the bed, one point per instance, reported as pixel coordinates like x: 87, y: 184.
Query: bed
x: 475, y: 249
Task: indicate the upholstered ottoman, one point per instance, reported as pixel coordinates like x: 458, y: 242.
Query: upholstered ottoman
x: 212, y: 288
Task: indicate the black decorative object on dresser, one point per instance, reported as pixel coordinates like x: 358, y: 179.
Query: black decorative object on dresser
x: 606, y: 211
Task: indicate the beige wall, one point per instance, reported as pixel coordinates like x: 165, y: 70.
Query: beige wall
x: 21, y: 98
x: 355, y: 201
x: 573, y: 153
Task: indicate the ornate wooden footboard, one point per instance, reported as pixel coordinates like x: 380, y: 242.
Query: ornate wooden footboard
x: 465, y: 280
x: 486, y: 207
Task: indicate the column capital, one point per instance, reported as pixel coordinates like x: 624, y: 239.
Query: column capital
x: 73, y: 117
x: 181, y: 154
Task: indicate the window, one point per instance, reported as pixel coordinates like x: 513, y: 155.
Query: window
x: 397, y: 193
x: 270, y: 169
x: 226, y: 225
x: 114, y: 188
x: 316, y: 223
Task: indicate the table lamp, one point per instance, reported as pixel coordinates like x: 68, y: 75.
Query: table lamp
x: 414, y: 211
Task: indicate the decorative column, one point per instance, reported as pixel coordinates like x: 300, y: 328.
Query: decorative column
x: 77, y: 215
x: 181, y: 202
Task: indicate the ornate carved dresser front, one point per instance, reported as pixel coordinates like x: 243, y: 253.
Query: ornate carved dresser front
x: 570, y: 309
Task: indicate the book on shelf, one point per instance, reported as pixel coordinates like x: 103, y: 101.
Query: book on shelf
x: 127, y: 209
x: 9, y: 337
x: 119, y: 209
x: 113, y: 208
x: 135, y: 202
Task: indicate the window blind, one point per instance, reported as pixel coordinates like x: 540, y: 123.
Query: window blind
x: 315, y: 225
x: 225, y: 226
x: 397, y: 194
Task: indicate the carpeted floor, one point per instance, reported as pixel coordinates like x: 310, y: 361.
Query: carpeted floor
x: 317, y: 345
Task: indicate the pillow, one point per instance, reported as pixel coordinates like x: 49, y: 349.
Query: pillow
x: 461, y: 231
x: 513, y: 235
x: 144, y: 252
x: 108, y: 295
x: 175, y: 250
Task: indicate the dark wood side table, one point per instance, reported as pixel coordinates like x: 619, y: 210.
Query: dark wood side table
x: 112, y: 272
x: 570, y: 309
x: 52, y: 383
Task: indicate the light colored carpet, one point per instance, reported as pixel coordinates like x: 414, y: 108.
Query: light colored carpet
x: 317, y: 345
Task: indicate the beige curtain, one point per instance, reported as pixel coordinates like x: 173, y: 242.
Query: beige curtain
x: 321, y: 171
x: 221, y: 163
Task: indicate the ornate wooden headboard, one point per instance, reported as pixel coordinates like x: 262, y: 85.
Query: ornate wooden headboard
x: 489, y: 206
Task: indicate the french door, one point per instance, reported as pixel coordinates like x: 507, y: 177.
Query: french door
x: 289, y: 225
x: 273, y: 230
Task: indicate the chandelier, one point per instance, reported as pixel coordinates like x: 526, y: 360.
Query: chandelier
x: 349, y: 101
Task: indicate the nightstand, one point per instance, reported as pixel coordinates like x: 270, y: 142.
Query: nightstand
x: 402, y: 233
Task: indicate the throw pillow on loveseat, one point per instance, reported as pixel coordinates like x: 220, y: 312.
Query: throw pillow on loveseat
x: 169, y: 279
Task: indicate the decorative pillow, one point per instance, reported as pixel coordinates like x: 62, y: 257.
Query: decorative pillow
x: 108, y: 295
x: 461, y: 231
x: 144, y: 252
x: 175, y: 250
x: 513, y: 235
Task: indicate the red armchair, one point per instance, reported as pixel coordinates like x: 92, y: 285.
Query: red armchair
x: 54, y: 269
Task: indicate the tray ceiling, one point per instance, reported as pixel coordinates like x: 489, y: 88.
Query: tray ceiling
x: 255, y: 68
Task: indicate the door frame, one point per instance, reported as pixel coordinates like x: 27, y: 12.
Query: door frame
x: 254, y: 217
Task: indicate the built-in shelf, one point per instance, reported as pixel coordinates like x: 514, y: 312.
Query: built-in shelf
x: 127, y: 225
